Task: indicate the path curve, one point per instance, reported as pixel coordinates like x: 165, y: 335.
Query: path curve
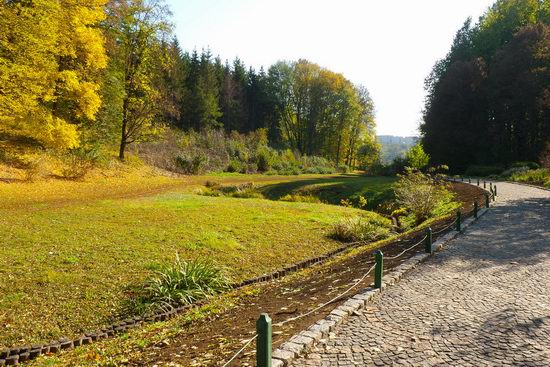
x: 483, y: 301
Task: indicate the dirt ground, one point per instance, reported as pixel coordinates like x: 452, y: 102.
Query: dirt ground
x: 202, y: 344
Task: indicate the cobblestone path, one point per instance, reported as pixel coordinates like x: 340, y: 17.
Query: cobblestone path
x: 483, y: 301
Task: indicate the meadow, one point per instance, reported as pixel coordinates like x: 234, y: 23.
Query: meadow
x: 72, y: 251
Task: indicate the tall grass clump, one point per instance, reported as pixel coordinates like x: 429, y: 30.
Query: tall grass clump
x: 181, y: 283
x: 352, y: 229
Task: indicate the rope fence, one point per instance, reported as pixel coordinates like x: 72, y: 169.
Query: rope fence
x: 264, y: 324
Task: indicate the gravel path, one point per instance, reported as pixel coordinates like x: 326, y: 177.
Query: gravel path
x: 483, y: 301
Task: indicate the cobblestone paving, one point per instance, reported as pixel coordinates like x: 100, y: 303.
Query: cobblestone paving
x: 483, y: 301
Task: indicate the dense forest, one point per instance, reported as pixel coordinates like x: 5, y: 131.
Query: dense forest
x: 78, y: 75
x: 489, y: 99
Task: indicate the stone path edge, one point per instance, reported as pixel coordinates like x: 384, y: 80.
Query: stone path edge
x: 305, y: 340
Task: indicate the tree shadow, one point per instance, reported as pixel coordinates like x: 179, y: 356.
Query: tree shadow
x: 513, y: 233
x: 335, y: 188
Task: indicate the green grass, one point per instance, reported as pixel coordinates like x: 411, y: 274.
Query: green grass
x: 333, y: 189
x: 69, y: 252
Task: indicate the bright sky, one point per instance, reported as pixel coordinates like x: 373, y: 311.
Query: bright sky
x: 388, y: 46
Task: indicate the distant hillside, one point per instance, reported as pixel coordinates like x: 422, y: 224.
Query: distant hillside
x: 394, y: 146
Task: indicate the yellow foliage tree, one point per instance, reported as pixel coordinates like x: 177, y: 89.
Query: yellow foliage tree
x: 50, y: 54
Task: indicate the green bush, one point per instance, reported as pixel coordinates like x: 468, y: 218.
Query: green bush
x: 181, y: 283
x: 236, y: 166
x: 192, y: 165
x: 263, y: 160
x: 483, y: 170
x: 359, y: 228
x: 538, y: 177
x: 422, y: 194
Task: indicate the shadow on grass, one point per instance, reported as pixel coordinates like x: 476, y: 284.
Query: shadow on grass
x: 333, y: 189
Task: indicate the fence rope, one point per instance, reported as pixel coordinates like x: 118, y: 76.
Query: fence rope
x: 240, y: 350
x: 445, y: 228
x: 328, y: 302
x: 405, y: 250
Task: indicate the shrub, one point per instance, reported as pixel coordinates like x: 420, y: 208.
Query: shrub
x: 483, y: 170
x: 354, y: 229
x: 236, y: 166
x: 182, y: 283
x: 36, y: 168
x: 263, y: 160
x: 420, y: 193
x: 537, y: 177
x: 192, y: 165
x: 213, y: 150
x: 79, y: 162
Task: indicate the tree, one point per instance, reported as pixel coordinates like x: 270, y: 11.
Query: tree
x: 474, y: 112
x: 137, y: 28
x: 51, y: 53
x: 417, y: 158
x: 321, y: 112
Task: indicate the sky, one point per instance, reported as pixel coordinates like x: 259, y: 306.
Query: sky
x: 389, y: 46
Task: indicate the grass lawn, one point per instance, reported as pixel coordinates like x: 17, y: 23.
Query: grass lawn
x: 333, y: 189
x: 68, y: 251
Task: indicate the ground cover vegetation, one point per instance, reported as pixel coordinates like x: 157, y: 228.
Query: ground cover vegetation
x: 75, y: 254
x: 234, y: 313
x: 487, y: 101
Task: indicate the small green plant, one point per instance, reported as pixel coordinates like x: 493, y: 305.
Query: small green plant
x: 360, y: 229
x: 182, y: 283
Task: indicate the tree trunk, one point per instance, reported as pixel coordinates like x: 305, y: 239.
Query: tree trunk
x: 123, y: 137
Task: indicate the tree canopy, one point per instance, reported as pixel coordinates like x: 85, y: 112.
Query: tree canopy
x: 110, y: 73
x: 488, y: 99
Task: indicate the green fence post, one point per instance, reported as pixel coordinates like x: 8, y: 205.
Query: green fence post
x: 469, y: 180
x: 428, y: 243
x: 475, y: 209
x: 378, y: 269
x: 486, y: 200
x: 478, y: 181
x: 458, y: 219
x: 484, y: 184
x: 263, y: 341
x: 491, y: 187
x: 495, y: 190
